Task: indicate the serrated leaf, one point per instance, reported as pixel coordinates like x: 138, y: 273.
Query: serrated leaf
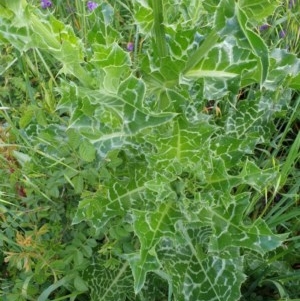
x: 115, y: 63
x: 87, y: 151
x: 252, y: 119
x: 211, y: 6
x: 284, y: 70
x: 295, y: 82
x: 258, y: 9
x: 230, y: 231
x: 26, y: 118
x: 74, y: 138
x: 181, y: 143
x: 231, y: 149
x: 257, y: 44
x: 150, y: 227
x: 80, y: 284
x: 113, y: 201
x: 209, y: 42
x: 143, y: 15
x: 250, y: 175
x: 124, y: 110
x: 196, y: 275
x: 41, y: 117
x: 108, y: 284
x: 235, y: 64
x: 77, y: 182
x: 78, y: 257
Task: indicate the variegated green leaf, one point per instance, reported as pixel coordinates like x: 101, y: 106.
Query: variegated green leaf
x: 109, y: 282
x: 197, y: 275
x: 258, y: 9
x: 151, y: 228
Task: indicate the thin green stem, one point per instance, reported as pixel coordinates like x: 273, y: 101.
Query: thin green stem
x: 159, y: 30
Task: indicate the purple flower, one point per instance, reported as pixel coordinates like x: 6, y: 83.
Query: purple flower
x: 264, y: 27
x: 46, y: 3
x: 130, y: 46
x: 282, y: 34
x: 91, y: 5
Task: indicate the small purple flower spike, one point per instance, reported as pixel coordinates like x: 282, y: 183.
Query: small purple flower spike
x: 282, y: 34
x: 130, y: 46
x: 91, y: 5
x: 45, y: 4
x: 264, y: 27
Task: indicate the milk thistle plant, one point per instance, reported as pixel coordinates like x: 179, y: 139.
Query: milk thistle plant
x: 153, y: 152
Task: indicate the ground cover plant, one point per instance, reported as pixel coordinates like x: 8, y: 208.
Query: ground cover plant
x: 149, y: 150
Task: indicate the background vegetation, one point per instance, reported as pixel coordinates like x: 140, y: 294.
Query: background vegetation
x: 149, y: 150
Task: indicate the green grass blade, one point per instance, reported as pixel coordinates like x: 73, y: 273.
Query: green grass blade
x: 45, y: 294
x: 291, y: 160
